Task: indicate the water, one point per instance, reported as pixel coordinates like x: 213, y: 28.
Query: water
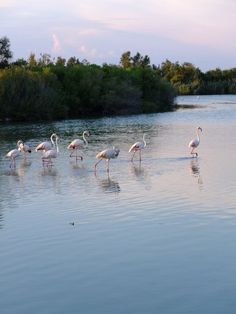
x: 151, y: 237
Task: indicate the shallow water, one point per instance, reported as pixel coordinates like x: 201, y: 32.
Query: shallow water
x: 150, y: 237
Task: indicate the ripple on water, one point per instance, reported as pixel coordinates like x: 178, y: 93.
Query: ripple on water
x: 144, y: 227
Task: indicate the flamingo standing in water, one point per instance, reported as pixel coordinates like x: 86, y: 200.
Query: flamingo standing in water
x: 107, y: 154
x: 12, y: 155
x: 138, y: 146
x: 193, y: 144
x: 24, y: 148
x: 78, y: 143
x: 51, y: 153
x: 44, y: 146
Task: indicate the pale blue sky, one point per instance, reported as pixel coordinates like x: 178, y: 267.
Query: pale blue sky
x: 198, y: 31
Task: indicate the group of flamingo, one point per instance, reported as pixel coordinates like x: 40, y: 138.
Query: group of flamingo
x: 50, y: 149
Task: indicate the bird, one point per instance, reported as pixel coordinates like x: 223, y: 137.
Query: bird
x: 107, y: 154
x: 12, y: 155
x: 78, y: 143
x: 193, y: 144
x: 138, y: 146
x: 24, y: 148
x: 44, y: 146
x: 51, y: 153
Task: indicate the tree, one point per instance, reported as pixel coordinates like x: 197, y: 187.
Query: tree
x: 139, y: 60
x: 20, y: 62
x: 72, y: 61
x: 44, y: 60
x: 5, y: 52
x: 125, y: 60
x: 61, y: 61
x: 32, y: 60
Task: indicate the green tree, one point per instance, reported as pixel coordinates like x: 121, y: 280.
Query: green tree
x: 5, y: 52
x: 139, y: 60
x: 44, y: 60
x: 125, y: 60
x: 61, y: 61
x: 72, y: 61
x: 20, y: 62
x: 32, y: 62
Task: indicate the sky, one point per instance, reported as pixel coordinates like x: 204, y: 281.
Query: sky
x: 201, y: 32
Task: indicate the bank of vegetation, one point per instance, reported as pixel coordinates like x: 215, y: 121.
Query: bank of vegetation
x: 50, y: 89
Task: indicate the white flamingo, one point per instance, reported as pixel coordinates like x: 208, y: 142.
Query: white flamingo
x: 138, y: 146
x: 51, y: 153
x: 107, y: 154
x: 12, y: 155
x: 24, y: 148
x: 44, y: 146
x: 78, y: 143
x: 193, y: 144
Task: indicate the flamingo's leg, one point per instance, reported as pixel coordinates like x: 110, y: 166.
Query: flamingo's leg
x: 95, y: 166
x: 132, y: 158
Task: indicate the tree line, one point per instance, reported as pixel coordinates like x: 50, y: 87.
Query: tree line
x: 49, y: 89
x: 190, y: 80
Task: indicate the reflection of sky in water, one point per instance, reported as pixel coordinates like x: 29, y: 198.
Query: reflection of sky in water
x: 143, y: 227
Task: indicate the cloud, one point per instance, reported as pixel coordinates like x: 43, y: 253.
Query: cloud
x: 106, y: 28
x: 5, y: 3
x: 56, y: 45
x: 206, y: 22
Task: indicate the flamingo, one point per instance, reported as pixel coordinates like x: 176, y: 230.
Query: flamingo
x: 78, y: 143
x: 138, y: 146
x: 13, y: 154
x: 44, y: 146
x: 193, y: 144
x: 107, y: 154
x: 51, y: 153
x: 24, y: 148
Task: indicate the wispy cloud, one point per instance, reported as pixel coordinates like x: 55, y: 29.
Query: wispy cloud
x: 5, y: 3
x: 103, y: 26
x: 56, y: 45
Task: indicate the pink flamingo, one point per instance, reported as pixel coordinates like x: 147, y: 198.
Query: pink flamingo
x: 12, y: 155
x: 44, y: 146
x: 193, y: 144
x: 51, y: 153
x: 138, y: 146
x: 107, y: 154
x: 78, y: 143
x: 24, y: 148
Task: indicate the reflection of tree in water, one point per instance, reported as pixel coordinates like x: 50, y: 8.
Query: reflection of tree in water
x: 195, y: 170
x: 108, y: 185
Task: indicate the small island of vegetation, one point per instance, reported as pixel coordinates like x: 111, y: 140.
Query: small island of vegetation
x: 49, y: 89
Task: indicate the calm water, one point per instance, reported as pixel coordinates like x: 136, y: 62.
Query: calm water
x: 152, y: 237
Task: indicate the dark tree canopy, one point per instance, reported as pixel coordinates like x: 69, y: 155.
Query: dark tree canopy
x: 5, y: 52
x: 55, y: 88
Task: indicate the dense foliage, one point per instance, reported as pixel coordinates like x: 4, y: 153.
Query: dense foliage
x: 47, y: 89
x: 189, y: 80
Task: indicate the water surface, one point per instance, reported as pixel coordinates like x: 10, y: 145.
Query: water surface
x: 152, y: 237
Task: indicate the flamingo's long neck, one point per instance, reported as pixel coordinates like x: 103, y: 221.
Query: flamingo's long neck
x: 198, y: 135
x: 144, y: 140
x: 19, y: 143
x: 57, y: 144
x: 53, y: 143
x: 85, y: 141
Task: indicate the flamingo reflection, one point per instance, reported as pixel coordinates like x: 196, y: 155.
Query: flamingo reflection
x: 195, y: 170
x: 108, y: 185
